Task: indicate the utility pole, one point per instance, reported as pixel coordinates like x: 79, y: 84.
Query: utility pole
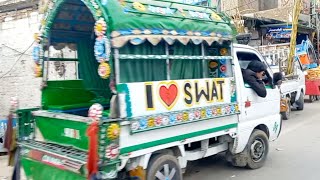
x: 295, y: 20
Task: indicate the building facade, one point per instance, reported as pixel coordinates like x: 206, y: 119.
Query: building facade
x: 19, y: 20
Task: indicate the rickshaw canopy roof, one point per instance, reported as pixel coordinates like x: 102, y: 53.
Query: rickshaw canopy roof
x: 137, y: 21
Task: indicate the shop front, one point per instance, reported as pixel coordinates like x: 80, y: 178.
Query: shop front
x: 281, y: 33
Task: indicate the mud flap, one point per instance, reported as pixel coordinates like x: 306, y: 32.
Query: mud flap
x: 17, y: 165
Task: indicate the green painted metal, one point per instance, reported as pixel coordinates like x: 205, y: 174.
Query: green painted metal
x: 175, y: 138
x: 56, y: 131
x: 267, y: 86
x: 65, y: 95
x: 125, y: 17
x: 69, y: 152
x: 38, y: 171
x: 25, y: 123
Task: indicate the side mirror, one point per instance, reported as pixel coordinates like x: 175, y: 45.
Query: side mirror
x: 277, y: 78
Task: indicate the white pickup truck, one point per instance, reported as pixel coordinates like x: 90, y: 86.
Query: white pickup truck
x: 292, y: 87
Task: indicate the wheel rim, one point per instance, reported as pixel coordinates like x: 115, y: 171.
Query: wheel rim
x: 166, y: 173
x: 257, y: 150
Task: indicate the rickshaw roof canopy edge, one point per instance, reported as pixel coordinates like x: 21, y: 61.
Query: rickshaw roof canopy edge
x: 138, y: 21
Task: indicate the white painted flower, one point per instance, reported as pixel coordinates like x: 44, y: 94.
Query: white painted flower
x: 165, y: 120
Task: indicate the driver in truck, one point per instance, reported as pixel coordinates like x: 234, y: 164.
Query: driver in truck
x: 253, y: 76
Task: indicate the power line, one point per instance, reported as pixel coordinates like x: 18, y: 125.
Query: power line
x: 14, y: 50
x: 16, y: 61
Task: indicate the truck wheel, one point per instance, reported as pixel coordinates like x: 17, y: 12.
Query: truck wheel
x: 164, y: 167
x: 257, y: 149
x: 300, y: 102
x: 286, y: 115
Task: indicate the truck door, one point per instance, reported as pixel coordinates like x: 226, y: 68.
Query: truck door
x: 255, y: 107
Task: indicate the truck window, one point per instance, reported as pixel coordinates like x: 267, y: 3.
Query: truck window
x: 245, y: 58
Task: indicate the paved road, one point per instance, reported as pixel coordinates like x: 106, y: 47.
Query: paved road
x: 294, y: 156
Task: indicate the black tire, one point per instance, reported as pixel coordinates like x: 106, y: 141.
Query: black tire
x: 257, y: 149
x: 244, y: 159
x: 286, y: 115
x: 164, y: 165
x: 300, y: 102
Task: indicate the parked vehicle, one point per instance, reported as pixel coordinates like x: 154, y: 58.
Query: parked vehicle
x: 170, y: 91
x: 293, y: 87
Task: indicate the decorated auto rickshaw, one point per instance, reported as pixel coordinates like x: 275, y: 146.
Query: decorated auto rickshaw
x: 154, y: 79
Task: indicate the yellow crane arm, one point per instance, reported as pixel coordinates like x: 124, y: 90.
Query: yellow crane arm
x: 295, y: 20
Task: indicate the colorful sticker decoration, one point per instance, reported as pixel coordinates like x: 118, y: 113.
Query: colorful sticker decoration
x: 203, y: 113
x: 165, y: 120
x: 179, y: 117
x: 150, y: 122
x: 143, y: 123
x: 135, y: 126
x: 102, y: 49
x: 185, y: 116
x: 223, y: 51
x: 197, y: 114
x: 182, y: 12
x: 215, y: 111
x: 199, y: 15
x: 95, y: 112
x: 138, y: 6
x: 112, y: 151
x: 173, y: 119
x: 158, y: 121
x: 209, y: 113
x: 99, y: 50
x: 104, y: 70
x: 36, y: 52
x: 160, y: 10
x: 191, y: 116
x: 100, y: 27
x: 113, y: 131
x: 215, y: 16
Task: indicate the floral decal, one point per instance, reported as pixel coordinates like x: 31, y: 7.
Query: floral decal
x: 100, y: 27
x: 198, y: 114
x: 104, y: 70
x: 112, y: 151
x: 102, y: 49
x: 95, y: 112
x: 113, y: 131
x: 138, y: 6
x: 215, y: 16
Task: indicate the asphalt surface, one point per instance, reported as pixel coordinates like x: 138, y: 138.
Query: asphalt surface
x: 294, y: 156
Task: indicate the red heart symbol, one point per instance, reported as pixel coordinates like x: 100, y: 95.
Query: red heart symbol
x: 168, y: 95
